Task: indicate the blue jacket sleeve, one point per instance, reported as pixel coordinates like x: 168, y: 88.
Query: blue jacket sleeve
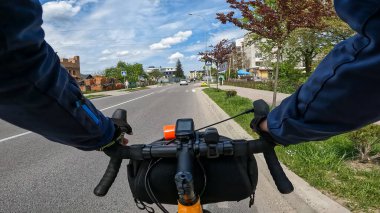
x: 36, y: 93
x: 343, y: 93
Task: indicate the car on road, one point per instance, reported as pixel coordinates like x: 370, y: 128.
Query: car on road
x: 204, y: 84
x: 183, y: 82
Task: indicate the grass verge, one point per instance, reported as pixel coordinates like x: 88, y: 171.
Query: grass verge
x: 325, y: 165
x: 95, y: 96
x: 133, y: 89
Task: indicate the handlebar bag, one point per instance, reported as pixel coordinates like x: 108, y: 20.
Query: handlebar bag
x: 225, y: 178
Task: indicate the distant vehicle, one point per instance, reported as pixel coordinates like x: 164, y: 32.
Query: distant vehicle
x: 204, y: 84
x: 183, y: 82
x: 188, y: 80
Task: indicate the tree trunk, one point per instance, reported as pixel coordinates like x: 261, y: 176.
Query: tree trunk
x: 217, y: 76
x: 276, y: 77
x: 308, y: 63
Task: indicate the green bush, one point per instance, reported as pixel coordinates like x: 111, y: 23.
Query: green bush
x: 230, y: 93
x: 365, y: 140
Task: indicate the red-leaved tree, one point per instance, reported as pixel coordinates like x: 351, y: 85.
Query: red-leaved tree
x: 276, y: 19
x: 219, y: 53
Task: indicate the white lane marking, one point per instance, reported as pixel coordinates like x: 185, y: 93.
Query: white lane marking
x: 15, y: 136
x: 193, y: 90
x: 26, y: 133
x: 126, y: 101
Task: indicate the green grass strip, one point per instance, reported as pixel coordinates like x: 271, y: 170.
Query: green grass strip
x: 133, y: 89
x: 95, y: 96
x: 325, y: 165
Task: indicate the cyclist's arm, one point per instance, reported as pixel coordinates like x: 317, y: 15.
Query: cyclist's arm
x: 36, y: 93
x: 343, y: 93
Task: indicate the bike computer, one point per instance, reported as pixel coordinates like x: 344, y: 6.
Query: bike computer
x: 184, y: 128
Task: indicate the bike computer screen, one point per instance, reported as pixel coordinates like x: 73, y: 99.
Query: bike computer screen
x: 184, y: 128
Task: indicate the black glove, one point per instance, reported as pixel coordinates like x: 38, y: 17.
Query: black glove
x: 118, y: 142
x: 261, y: 112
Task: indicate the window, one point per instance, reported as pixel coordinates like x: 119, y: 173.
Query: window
x: 258, y: 55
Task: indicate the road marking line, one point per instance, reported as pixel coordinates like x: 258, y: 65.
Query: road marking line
x: 193, y: 90
x: 126, y: 102
x: 15, y: 136
x: 26, y: 133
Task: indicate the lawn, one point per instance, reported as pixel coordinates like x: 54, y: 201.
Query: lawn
x: 133, y: 89
x: 95, y: 96
x: 328, y: 165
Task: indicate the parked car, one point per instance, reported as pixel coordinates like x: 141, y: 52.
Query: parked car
x: 183, y: 82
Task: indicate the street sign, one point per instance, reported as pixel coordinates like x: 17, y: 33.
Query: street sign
x: 123, y: 73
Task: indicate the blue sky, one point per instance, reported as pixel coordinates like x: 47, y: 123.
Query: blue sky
x: 151, y: 32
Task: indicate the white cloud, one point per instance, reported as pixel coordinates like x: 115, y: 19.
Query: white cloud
x: 83, y: 2
x: 90, y: 27
x: 216, y: 25
x: 227, y: 34
x: 169, y: 41
x: 196, y: 47
x: 138, y: 52
x: 174, y: 57
x: 59, y: 10
x: 171, y: 26
x: 106, y: 52
x: 104, y: 59
x: 122, y: 53
x: 155, y: 2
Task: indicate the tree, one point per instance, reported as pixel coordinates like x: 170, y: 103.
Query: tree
x: 220, y: 52
x: 156, y: 74
x: 306, y: 44
x: 133, y: 71
x: 276, y: 19
x: 179, y: 71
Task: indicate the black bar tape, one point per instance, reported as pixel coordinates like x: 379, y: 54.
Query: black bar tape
x: 280, y: 179
x: 108, y: 178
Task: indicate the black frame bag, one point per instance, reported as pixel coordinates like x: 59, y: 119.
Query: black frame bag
x: 215, y: 179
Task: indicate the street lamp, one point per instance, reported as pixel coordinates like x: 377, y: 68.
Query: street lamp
x: 205, y: 37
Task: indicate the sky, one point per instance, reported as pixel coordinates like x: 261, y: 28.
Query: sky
x: 150, y: 32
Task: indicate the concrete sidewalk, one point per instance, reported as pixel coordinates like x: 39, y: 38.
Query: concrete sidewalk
x: 255, y: 94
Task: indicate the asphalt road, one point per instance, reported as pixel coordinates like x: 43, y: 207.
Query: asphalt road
x: 40, y: 176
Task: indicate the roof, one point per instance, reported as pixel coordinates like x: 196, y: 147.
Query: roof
x: 86, y: 76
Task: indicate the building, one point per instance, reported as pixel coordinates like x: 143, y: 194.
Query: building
x: 72, y: 66
x: 168, y: 71
x: 247, y: 56
x: 197, y: 74
x: 151, y: 69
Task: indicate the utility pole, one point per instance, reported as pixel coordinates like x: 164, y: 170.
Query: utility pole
x: 205, y: 37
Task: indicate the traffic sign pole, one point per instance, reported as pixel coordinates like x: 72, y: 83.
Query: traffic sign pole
x: 124, y: 73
